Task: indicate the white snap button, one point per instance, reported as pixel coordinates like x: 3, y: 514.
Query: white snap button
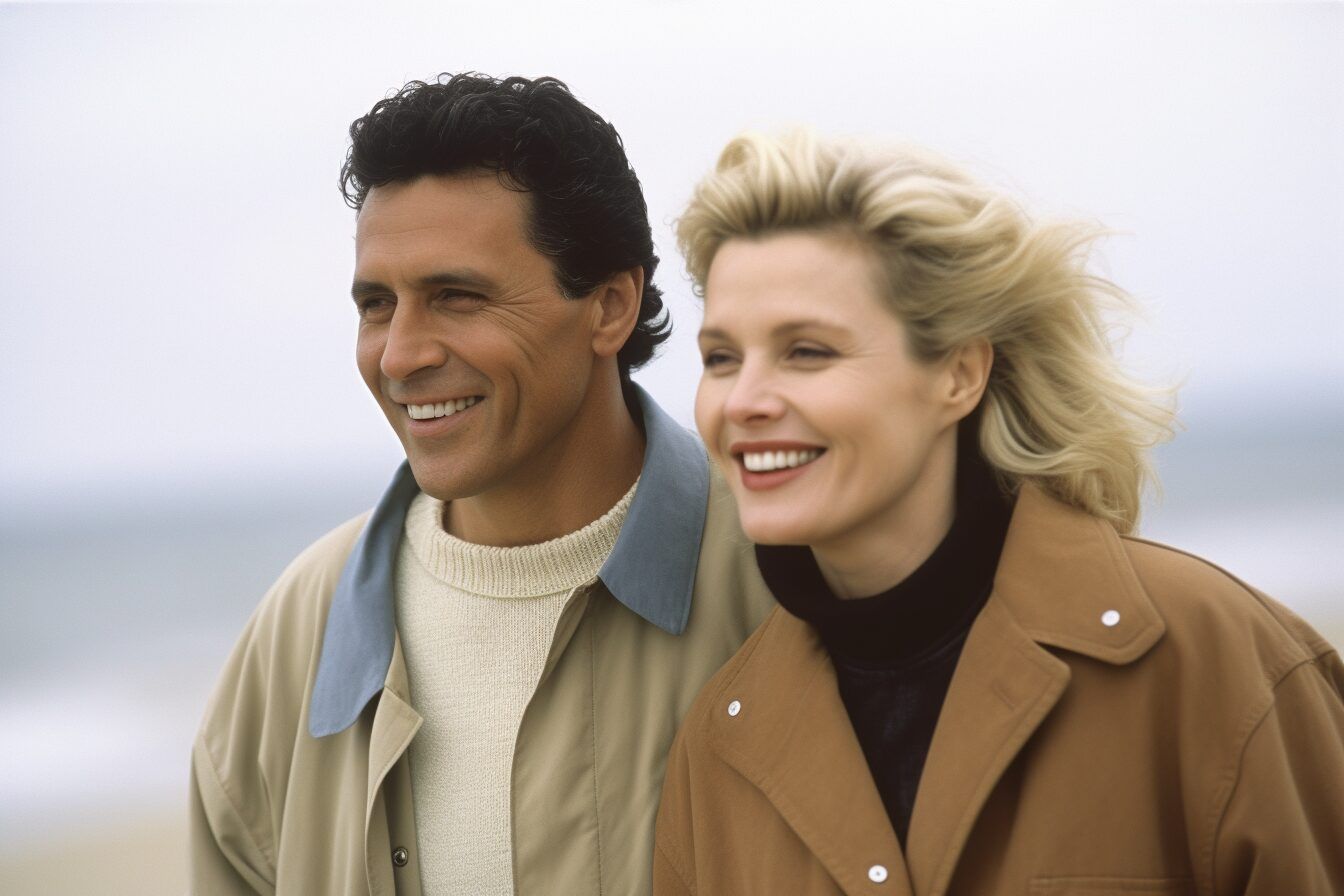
x: 734, y: 708
x: 1110, y: 618
x: 877, y: 874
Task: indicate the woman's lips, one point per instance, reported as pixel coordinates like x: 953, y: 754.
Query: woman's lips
x: 765, y: 467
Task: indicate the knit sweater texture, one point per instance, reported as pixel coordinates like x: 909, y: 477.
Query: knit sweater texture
x: 476, y: 624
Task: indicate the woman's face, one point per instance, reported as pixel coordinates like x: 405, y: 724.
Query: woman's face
x: 810, y: 400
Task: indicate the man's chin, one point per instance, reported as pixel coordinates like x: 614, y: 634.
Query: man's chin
x: 446, y: 485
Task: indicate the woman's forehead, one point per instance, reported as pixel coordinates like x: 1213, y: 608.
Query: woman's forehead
x: 792, y: 279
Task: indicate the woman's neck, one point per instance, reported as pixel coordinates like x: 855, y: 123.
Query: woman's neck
x: 882, y: 551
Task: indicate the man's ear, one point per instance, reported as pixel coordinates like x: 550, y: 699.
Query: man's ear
x: 616, y: 311
x: 967, y: 375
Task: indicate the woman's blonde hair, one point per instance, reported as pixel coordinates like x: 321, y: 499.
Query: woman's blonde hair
x: 962, y: 262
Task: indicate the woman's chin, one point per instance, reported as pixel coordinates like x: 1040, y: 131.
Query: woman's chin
x: 777, y: 531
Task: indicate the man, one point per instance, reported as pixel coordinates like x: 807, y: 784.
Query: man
x: 473, y: 689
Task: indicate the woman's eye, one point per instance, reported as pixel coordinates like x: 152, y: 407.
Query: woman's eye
x: 810, y: 352
x: 716, y: 359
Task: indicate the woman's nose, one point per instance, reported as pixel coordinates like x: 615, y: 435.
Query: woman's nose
x: 754, y: 397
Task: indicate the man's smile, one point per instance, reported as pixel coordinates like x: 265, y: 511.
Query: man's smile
x: 443, y: 408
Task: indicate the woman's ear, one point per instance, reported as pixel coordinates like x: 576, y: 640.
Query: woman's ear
x: 616, y: 311
x: 967, y: 376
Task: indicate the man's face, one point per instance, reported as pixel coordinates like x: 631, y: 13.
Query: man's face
x: 478, y: 360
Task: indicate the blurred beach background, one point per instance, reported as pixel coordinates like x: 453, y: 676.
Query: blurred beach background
x: 182, y: 413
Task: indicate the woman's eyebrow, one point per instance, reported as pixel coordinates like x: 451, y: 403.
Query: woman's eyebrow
x: 788, y: 328
x: 809, y: 323
x: 712, y: 333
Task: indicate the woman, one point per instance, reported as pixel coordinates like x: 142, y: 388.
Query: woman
x: 978, y: 681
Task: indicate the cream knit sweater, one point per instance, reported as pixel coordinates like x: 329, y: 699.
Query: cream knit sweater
x: 476, y: 625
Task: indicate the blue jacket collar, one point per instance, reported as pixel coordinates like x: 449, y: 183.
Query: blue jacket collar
x: 651, y: 570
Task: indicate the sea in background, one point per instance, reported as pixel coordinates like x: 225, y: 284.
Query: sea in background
x: 119, y: 615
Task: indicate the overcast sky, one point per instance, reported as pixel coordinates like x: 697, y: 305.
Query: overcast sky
x: 176, y: 258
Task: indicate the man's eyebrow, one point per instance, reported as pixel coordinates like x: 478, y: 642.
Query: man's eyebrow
x: 464, y: 278
x: 362, y: 288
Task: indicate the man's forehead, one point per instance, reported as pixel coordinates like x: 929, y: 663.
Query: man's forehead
x: 439, y: 213
x: 438, y: 199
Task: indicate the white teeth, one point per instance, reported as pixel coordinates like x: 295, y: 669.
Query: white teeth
x: 765, y: 461
x: 442, y: 409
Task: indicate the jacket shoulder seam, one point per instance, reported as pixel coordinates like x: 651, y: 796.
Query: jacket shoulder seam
x: 232, y: 801
x: 1255, y: 719
x: 1307, y: 651
x: 1202, y: 561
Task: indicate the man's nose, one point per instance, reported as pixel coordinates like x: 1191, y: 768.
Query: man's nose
x: 755, y: 396
x: 412, y: 345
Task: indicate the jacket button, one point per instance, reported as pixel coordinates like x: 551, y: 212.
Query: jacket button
x: 877, y: 874
x: 400, y: 857
x: 1110, y: 618
x: 734, y: 708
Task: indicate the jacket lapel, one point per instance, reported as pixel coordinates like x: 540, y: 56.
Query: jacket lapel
x: 792, y: 738
x: 1064, y: 581
x: 395, y: 723
x: 1002, y: 689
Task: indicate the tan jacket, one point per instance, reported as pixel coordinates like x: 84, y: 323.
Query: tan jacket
x: 1193, y: 745
x: 300, y: 782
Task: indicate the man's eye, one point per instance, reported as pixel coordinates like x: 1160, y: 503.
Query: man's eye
x: 459, y: 299
x: 372, y: 305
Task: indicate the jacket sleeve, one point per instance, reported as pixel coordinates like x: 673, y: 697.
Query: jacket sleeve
x: 673, y: 841
x: 1283, y: 827
x: 225, y: 856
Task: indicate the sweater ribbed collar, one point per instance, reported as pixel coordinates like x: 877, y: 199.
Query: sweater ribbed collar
x: 551, y: 567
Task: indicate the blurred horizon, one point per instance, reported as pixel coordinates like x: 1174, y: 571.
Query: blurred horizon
x: 151, y: 594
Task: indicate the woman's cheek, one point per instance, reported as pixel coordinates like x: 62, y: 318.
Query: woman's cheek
x: 708, y: 415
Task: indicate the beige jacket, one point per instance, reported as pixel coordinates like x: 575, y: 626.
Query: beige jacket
x: 300, y: 783
x: 1124, y: 719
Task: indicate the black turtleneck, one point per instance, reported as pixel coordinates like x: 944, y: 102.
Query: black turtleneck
x: 894, y: 653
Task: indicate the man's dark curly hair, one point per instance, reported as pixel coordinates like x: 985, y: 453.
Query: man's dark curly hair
x: 587, y: 208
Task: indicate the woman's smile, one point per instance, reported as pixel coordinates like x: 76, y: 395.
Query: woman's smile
x: 765, y: 465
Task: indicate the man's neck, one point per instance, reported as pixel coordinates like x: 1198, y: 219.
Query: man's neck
x: 577, y: 480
